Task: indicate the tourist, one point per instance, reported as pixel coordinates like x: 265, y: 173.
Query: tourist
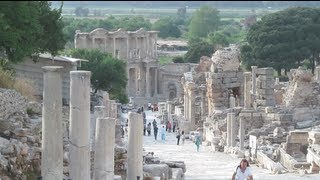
x: 183, y: 137
x: 144, y: 129
x: 169, y: 126
x: 178, y: 136
x: 243, y: 171
x: 198, y: 142
x: 174, y: 123
x: 163, y: 133
x: 149, y: 128
x: 154, y: 122
x: 155, y: 131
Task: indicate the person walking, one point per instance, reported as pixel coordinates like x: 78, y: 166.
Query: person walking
x: 149, y: 128
x: 183, y: 137
x: 163, y: 133
x: 174, y: 123
x: 243, y: 171
x: 169, y: 126
x: 198, y: 142
x: 155, y: 131
x: 178, y: 136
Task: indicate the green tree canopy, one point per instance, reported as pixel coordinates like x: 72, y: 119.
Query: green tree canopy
x: 197, y: 49
x: 29, y: 27
x: 284, y: 39
x: 203, y: 21
x: 166, y: 28
x: 108, y: 73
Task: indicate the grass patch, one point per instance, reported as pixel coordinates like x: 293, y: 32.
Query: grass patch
x: 165, y: 60
x: 21, y: 85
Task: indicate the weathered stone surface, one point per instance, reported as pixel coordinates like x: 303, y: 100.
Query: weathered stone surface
x: 176, y: 164
x: 11, y: 102
x: 161, y: 170
x: 227, y: 59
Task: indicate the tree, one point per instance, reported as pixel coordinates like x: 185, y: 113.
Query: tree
x: 198, y: 49
x: 82, y: 12
x: 108, y: 73
x: 178, y: 59
x: 134, y: 23
x: 284, y: 39
x: 204, y: 21
x: 218, y: 40
x: 166, y: 28
x: 28, y: 28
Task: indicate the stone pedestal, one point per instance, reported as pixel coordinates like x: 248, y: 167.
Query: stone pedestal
x: 104, y: 151
x: 135, y: 140
x: 79, y: 167
x: 52, y: 142
x: 317, y: 74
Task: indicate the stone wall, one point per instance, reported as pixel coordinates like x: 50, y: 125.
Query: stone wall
x: 33, y: 71
x: 302, y: 91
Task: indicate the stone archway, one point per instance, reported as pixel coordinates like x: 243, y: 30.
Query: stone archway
x: 172, y: 91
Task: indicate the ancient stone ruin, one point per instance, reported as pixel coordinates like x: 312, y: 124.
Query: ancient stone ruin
x: 252, y: 114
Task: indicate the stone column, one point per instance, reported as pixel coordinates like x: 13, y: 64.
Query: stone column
x: 52, y: 142
x: 148, y: 82
x: 317, y: 73
x: 129, y: 82
x: 104, y: 153
x: 191, y: 109
x: 247, y: 94
x: 136, y: 80
x: 229, y: 129
x: 254, y: 82
x: 147, y: 39
x: 232, y: 101
x: 241, y: 132
x: 99, y: 112
x: 135, y: 140
x: 155, y: 81
x: 79, y: 167
x: 185, y: 104
x: 233, y: 129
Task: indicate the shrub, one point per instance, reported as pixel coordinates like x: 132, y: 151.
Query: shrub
x: 178, y: 59
x: 26, y: 87
x: 6, y: 78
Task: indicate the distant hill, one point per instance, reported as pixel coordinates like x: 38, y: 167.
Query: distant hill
x: 190, y: 4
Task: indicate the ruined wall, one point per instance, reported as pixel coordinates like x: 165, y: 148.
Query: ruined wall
x: 170, y: 78
x: 33, y: 71
x: 302, y: 90
x: 219, y: 87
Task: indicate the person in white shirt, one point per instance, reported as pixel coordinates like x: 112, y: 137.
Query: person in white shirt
x: 243, y: 171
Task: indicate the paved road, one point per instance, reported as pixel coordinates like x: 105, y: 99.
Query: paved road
x: 205, y: 164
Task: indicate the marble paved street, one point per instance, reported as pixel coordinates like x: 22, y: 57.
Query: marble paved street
x: 205, y: 165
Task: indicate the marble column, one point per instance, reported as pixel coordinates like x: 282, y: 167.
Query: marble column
x: 148, y: 82
x: 233, y: 129
x: 99, y: 112
x: 247, y: 94
x: 277, y: 81
x: 317, y: 74
x: 241, y: 133
x: 254, y: 81
x: 104, y: 151
x: 191, y: 108
x: 135, y: 140
x: 229, y: 129
x: 52, y: 142
x: 79, y: 167
x: 155, y: 81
